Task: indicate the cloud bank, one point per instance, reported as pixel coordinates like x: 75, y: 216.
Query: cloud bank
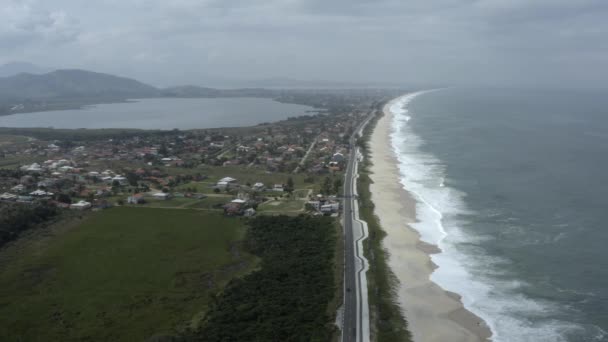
x: 490, y: 42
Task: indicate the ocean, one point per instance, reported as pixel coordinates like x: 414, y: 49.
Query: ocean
x: 163, y: 113
x: 512, y: 185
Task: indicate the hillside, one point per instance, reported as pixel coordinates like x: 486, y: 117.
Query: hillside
x: 63, y: 84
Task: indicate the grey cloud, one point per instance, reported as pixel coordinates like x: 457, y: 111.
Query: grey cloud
x: 23, y: 23
x: 446, y: 41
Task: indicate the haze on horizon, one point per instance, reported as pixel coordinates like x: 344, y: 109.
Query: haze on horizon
x: 205, y: 42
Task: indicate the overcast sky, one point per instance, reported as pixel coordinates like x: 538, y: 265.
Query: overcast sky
x: 167, y: 42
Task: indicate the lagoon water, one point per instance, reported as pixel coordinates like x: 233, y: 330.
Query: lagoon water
x: 163, y: 113
x: 512, y: 186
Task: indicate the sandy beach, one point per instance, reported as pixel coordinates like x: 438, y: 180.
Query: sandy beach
x: 433, y: 314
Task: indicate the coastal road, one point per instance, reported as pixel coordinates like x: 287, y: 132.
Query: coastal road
x: 355, y: 323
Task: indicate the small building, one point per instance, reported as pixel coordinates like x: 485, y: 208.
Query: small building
x: 80, y: 205
x: 238, y: 200
x: 136, y: 199
x: 330, y: 208
x: 249, y: 212
x: 41, y: 193
x: 338, y: 157
x: 233, y: 209
x: 8, y: 197
x: 226, y: 182
x: 258, y: 186
x: 18, y: 188
x: 278, y: 188
x: 162, y: 195
x: 121, y: 180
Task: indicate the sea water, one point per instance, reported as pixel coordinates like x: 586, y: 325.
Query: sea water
x: 512, y: 185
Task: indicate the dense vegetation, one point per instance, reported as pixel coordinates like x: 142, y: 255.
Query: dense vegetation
x: 387, y: 321
x: 122, y: 274
x: 288, y: 297
x: 17, y: 217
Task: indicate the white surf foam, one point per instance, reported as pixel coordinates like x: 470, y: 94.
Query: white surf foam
x: 440, y: 209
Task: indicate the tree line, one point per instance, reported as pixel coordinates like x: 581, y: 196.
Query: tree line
x: 17, y: 217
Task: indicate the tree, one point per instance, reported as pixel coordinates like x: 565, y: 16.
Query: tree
x: 337, y: 185
x: 64, y: 198
x: 132, y: 178
x: 326, y: 186
x: 290, y: 186
x: 216, y: 190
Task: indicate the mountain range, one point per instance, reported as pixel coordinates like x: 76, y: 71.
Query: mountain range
x: 73, y: 88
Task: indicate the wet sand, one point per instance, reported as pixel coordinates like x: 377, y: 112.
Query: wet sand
x: 433, y: 314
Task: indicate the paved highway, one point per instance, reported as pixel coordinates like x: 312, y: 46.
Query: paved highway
x: 355, y: 325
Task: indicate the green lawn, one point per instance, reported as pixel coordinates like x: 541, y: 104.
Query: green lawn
x: 124, y: 274
x: 282, y: 205
x: 211, y: 202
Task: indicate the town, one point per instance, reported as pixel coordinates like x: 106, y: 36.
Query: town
x: 289, y: 167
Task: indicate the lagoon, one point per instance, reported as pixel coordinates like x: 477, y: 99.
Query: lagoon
x: 163, y: 113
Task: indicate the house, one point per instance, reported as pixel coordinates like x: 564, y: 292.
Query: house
x: 226, y: 182
x: 8, y: 197
x: 18, y: 188
x: 80, y: 205
x: 329, y: 208
x: 162, y: 195
x: 238, y: 201
x: 338, y: 157
x: 278, y: 188
x: 121, y: 180
x: 233, y: 209
x: 41, y: 193
x: 35, y: 167
x: 249, y: 212
x: 136, y: 199
x: 258, y: 186
x: 242, y: 148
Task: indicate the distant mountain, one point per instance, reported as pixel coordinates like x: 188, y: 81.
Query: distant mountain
x: 190, y: 91
x: 15, y: 68
x: 196, y: 91
x: 64, y: 84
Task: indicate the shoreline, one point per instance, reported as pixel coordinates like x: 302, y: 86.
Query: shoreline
x: 433, y: 314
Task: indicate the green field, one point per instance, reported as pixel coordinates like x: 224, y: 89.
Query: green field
x: 282, y: 206
x: 124, y: 274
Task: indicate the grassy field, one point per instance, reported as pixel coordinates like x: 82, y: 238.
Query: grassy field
x: 252, y: 175
x: 124, y: 274
x: 282, y: 205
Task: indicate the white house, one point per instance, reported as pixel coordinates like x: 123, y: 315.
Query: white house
x: 226, y: 182
x: 8, y: 197
x: 258, y: 186
x: 330, y: 208
x: 41, y: 193
x: 161, y: 195
x: 278, y: 188
x: 18, y: 188
x: 80, y: 205
x: 337, y: 157
x: 121, y: 180
x: 238, y: 200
